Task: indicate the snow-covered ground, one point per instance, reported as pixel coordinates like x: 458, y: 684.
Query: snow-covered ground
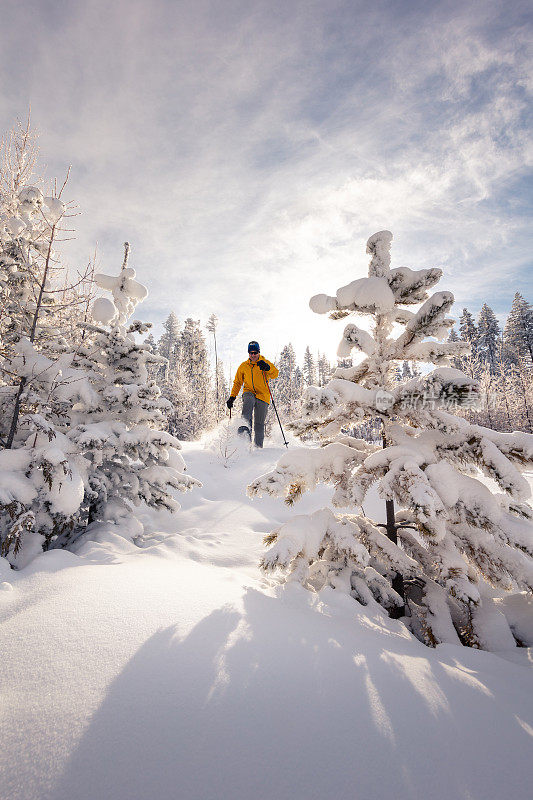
x: 177, y: 670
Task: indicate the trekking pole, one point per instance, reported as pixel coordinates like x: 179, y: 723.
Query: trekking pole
x: 285, y: 442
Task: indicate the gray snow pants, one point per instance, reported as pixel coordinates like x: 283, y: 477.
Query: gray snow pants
x: 252, y: 405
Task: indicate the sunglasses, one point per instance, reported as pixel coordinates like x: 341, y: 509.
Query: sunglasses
x: 254, y: 352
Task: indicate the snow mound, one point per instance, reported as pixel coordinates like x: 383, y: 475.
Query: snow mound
x: 178, y: 670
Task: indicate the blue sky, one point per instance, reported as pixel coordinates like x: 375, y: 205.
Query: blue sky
x: 248, y: 149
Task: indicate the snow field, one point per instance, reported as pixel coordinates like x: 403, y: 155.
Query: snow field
x: 177, y: 671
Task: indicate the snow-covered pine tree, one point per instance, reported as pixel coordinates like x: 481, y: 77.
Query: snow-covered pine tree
x: 151, y: 344
x: 166, y: 346
x: 299, y: 384
x: 288, y: 388
x: 309, y: 368
x: 175, y: 390
x: 194, y: 398
x: 168, y: 374
x: 469, y: 362
x: 451, y: 535
x: 323, y: 369
x: 519, y: 380
x: 488, y: 332
x: 506, y: 386
x: 452, y: 336
x: 518, y: 331
x: 468, y: 330
x: 456, y: 361
x: 503, y: 388
x: 120, y: 430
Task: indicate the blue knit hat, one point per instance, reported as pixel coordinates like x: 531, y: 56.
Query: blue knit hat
x: 253, y: 346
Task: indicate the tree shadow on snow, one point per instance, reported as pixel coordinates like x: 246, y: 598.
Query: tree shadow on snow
x: 281, y: 702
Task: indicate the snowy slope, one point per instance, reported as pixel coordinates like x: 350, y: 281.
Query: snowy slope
x: 178, y: 671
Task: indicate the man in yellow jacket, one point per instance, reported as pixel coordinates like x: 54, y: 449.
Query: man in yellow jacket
x: 254, y: 374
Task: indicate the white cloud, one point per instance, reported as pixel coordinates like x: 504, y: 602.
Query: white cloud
x: 248, y: 151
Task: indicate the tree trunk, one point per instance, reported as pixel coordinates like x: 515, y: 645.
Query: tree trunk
x: 392, y: 533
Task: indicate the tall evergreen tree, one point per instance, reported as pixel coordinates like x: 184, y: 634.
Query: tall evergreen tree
x: 468, y: 330
x: 299, y: 384
x: 488, y: 332
x: 166, y: 346
x: 309, y: 368
x: 453, y: 337
x: 288, y: 386
x: 324, y: 369
x: 151, y: 344
x: 518, y: 331
x: 193, y: 394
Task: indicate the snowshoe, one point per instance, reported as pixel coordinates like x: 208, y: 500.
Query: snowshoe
x: 245, y: 432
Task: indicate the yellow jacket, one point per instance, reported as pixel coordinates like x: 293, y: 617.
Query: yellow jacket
x: 252, y: 377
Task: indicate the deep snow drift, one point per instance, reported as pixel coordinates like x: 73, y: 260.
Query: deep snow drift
x: 176, y: 670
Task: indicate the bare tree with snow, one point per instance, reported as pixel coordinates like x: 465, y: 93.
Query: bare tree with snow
x: 41, y: 475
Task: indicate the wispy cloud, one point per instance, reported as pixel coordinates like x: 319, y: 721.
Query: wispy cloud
x: 247, y: 150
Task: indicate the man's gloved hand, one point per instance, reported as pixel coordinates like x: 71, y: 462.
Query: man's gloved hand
x: 230, y: 401
x: 263, y: 365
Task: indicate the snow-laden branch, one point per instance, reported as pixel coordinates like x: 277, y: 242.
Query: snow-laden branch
x: 127, y: 294
x: 411, y: 286
x: 320, y: 548
x: 364, y: 295
x: 354, y: 337
x: 300, y: 470
x: 307, y: 535
x: 429, y: 320
x: 436, y: 352
x: 516, y: 446
x: 378, y: 246
x: 442, y: 387
x: 58, y: 376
